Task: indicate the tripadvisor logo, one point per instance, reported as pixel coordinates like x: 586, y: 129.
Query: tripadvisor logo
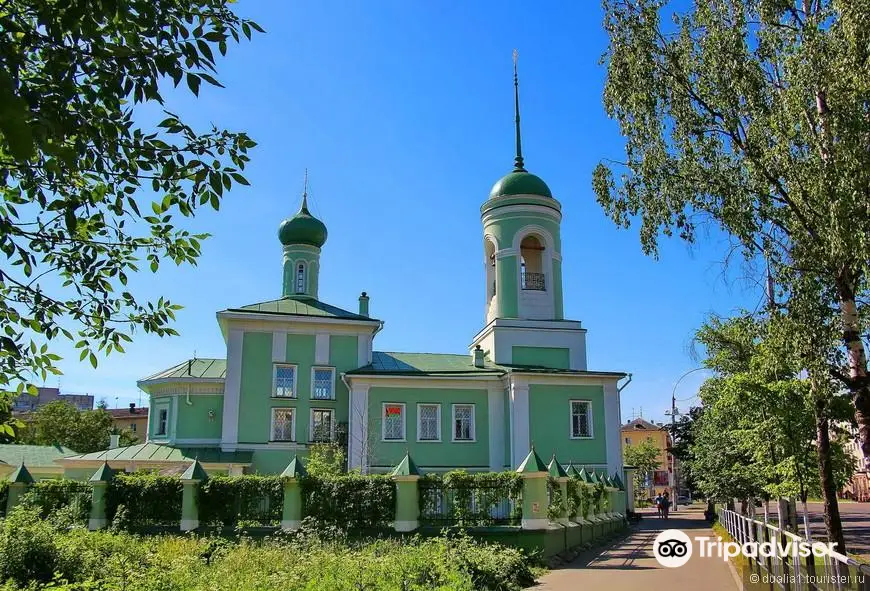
x: 672, y: 548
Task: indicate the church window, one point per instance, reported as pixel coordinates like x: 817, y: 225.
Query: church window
x: 393, y: 421
x: 323, y: 383
x: 322, y: 425
x: 463, y: 422
x: 532, y: 264
x: 283, y: 424
x: 300, y: 278
x: 284, y: 381
x: 581, y: 419
x: 428, y: 422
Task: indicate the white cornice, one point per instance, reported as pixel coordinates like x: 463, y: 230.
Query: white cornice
x: 451, y: 382
x: 520, y: 209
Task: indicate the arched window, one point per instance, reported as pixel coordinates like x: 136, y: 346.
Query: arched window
x: 532, y: 264
x: 489, y: 248
x: 300, y: 278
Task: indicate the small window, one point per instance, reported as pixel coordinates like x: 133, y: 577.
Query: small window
x: 581, y: 419
x: 133, y: 427
x: 285, y: 381
x: 162, y: 419
x: 428, y: 422
x: 628, y: 441
x: 463, y: 422
x: 322, y: 425
x: 300, y: 278
x: 394, y: 422
x: 283, y: 424
x: 323, y: 383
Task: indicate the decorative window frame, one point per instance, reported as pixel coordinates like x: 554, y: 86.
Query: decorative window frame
x: 304, y: 265
x: 311, y: 412
x: 588, y: 404
x: 473, y: 422
x: 437, y: 406
x: 294, y: 412
x: 384, y: 406
x: 322, y: 367
x: 274, y: 393
x: 157, y: 423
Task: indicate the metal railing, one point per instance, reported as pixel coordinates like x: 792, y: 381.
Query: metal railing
x: 534, y: 281
x: 831, y: 571
x: 482, y: 504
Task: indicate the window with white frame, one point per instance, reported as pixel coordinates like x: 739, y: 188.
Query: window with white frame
x: 322, y: 425
x: 393, y: 417
x: 323, y: 383
x: 463, y: 422
x: 283, y: 424
x: 428, y: 422
x: 162, y: 420
x: 285, y: 381
x: 581, y: 419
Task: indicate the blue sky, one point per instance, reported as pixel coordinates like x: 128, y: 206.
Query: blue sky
x: 403, y: 114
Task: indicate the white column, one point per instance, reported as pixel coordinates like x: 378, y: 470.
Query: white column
x: 358, y: 417
x: 232, y: 391
x: 321, y: 348
x: 519, y: 421
x: 612, y: 433
x: 496, y: 428
x: 279, y: 347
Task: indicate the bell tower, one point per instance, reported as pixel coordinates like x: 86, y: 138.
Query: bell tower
x: 301, y: 236
x: 522, y: 248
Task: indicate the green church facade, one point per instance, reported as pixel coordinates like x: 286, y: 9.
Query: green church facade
x: 299, y: 371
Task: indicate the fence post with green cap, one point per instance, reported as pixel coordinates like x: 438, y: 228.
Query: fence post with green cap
x: 291, y: 518
x: 535, y: 504
x: 556, y: 471
x: 407, y: 477
x: 19, y: 482
x: 191, y: 480
x: 99, y: 486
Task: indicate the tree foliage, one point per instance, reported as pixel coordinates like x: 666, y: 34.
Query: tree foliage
x: 90, y: 191
x: 61, y: 423
x: 751, y: 115
x: 644, y: 457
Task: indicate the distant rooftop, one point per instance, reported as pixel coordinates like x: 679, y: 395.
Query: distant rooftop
x: 33, y: 456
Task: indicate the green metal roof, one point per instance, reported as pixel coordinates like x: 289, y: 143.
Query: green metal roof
x: 301, y: 306
x: 532, y: 463
x: 153, y: 452
x: 520, y: 183
x: 21, y: 475
x: 103, y: 474
x: 423, y: 364
x: 194, y: 472
x: 555, y: 469
x: 406, y: 467
x: 294, y: 469
x: 193, y: 368
x: 35, y: 456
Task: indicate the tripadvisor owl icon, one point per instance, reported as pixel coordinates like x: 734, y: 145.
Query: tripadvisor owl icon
x: 672, y: 548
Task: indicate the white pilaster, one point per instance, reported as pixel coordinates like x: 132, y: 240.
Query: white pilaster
x: 519, y: 421
x: 321, y: 348
x: 496, y: 429
x: 612, y: 433
x: 173, y: 424
x: 232, y: 390
x: 357, y: 441
x: 279, y: 346
x: 364, y: 350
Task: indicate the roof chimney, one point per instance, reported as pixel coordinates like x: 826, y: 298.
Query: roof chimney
x: 132, y: 408
x: 364, y: 305
x: 478, y: 356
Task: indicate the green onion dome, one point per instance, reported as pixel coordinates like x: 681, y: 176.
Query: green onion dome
x: 302, y: 228
x: 520, y: 182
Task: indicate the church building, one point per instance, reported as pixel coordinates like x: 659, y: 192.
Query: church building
x: 299, y: 371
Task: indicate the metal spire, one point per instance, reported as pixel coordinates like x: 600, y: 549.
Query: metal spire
x: 518, y: 160
x: 305, y: 193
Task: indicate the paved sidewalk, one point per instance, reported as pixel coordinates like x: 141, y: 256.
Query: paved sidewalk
x: 629, y: 564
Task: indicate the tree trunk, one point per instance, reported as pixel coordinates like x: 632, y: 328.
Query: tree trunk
x: 859, y: 383
x: 826, y: 475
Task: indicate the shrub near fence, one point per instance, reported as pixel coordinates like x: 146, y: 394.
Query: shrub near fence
x: 51, y: 496
x: 471, y: 499
x: 241, y: 500
x: 351, y: 501
x: 143, y: 499
x: 4, y: 494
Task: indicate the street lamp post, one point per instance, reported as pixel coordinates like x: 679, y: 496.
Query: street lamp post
x: 674, y: 414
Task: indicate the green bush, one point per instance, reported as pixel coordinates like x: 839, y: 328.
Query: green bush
x: 33, y: 552
x: 228, y: 500
x: 352, y: 501
x: 4, y: 495
x: 147, y: 499
x: 72, y: 498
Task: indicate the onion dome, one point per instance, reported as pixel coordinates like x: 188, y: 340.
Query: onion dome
x: 302, y: 228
